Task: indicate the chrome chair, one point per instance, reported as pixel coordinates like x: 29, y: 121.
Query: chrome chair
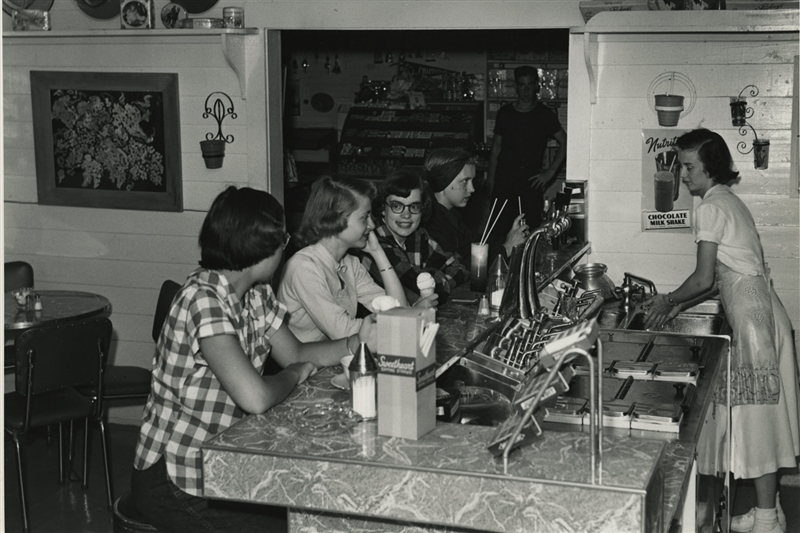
x: 50, y: 362
x: 16, y: 275
x: 124, y: 382
x: 132, y: 382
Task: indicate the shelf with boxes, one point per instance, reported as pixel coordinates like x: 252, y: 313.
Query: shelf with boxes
x: 376, y: 140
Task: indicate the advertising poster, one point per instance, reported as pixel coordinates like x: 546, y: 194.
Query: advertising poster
x: 666, y: 203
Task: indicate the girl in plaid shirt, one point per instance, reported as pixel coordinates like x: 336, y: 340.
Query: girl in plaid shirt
x: 401, y: 204
x: 207, y: 370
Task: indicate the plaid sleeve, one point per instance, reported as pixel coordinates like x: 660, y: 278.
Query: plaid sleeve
x: 449, y: 271
x: 208, y: 316
x: 403, y: 266
x: 273, y: 311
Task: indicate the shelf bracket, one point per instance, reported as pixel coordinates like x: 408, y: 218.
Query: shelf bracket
x: 240, y: 51
x: 587, y: 57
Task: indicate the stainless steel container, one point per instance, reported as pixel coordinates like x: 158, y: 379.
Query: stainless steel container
x: 592, y: 276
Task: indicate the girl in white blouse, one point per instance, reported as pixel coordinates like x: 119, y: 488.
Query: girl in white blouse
x: 763, y: 378
x: 322, y: 284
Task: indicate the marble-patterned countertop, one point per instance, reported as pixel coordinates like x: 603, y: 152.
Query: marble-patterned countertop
x: 447, y: 477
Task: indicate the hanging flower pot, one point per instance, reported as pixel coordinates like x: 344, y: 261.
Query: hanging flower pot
x: 213, y: 152
x: 668, y: 108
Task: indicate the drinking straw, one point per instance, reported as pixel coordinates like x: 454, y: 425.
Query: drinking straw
x: 483, y: 241
x: 673, y: 162
x: 519, y: 202
x: 671, y: 82
x: 487, y: 220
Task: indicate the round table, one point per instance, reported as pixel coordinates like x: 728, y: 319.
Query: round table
x: 58, y: 307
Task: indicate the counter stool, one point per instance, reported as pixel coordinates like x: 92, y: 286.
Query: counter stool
x: 127, y: 519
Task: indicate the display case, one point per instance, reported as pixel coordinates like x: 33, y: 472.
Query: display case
x: 377, y: 139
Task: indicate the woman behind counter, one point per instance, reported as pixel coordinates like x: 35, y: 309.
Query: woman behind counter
x: 402, y: 203
x: 764, y: 377
x: 322, y: 284
x: 207, y: 370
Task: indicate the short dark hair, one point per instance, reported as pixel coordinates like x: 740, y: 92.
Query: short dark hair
x: 526, y: 70
x: 400, y: 182
x: 713, y: 152
x: 243, y: 227
x: 331, y: 202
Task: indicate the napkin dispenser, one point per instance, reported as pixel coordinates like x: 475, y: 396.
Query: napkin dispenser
x: 406, y: 372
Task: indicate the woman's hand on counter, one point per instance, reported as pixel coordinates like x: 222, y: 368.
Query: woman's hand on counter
x: 303, y: 371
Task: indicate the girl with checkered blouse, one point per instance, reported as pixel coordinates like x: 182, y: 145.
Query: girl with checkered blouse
x: 402, y: 203
x: 207, y: 370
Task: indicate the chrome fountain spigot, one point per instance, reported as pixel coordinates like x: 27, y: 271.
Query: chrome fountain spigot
x: 529, y: 305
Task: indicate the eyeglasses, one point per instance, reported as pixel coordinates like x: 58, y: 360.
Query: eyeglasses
x: 397, y: 207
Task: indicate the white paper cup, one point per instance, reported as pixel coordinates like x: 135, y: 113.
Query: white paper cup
x: 346, y: 365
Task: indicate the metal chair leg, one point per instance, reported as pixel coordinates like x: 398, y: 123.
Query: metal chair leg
x: 25, y: 525
x: 85, y: 483
x: 69, y: 455
x: 60, y: 454
x: 107, y: 464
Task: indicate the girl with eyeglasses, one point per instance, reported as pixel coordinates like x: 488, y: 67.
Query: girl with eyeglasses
x: 322, y: 284
x: 402, y: 203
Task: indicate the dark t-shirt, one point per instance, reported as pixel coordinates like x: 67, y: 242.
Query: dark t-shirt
x: 524, y: 136
x: 448, y: 228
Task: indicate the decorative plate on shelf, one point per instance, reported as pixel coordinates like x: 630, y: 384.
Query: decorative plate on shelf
x: 196, y: 6
x: 99, y: 9
x: 171, y: 15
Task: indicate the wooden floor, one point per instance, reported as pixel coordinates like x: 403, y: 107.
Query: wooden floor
x: 55, y: 508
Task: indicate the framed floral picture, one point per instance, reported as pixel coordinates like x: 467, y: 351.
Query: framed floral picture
x: 107, y: 139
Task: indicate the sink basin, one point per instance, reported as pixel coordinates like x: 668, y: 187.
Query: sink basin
x: 689, y: 323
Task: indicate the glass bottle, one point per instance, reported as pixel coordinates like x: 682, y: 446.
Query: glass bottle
x: 364, y: 383
x: 496, y: 283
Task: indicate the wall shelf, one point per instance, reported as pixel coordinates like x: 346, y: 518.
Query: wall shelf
x: 239, y: 46
x: 652, y: 22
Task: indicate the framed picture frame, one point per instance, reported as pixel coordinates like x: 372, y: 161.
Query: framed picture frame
x: 107, y: 139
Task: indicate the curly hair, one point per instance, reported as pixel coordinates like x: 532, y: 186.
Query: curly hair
x: 400, y: 182
x: 712, y: 151
x: 243, y: 227
x: 331, y: 202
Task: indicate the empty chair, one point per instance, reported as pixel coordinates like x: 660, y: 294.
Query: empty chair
x: 50, y: 362
x: 128, y: 382
x: 16, y: 275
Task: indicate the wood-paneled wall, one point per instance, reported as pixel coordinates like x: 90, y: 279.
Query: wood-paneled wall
x: 123, y: 255
x: 606, y: 138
